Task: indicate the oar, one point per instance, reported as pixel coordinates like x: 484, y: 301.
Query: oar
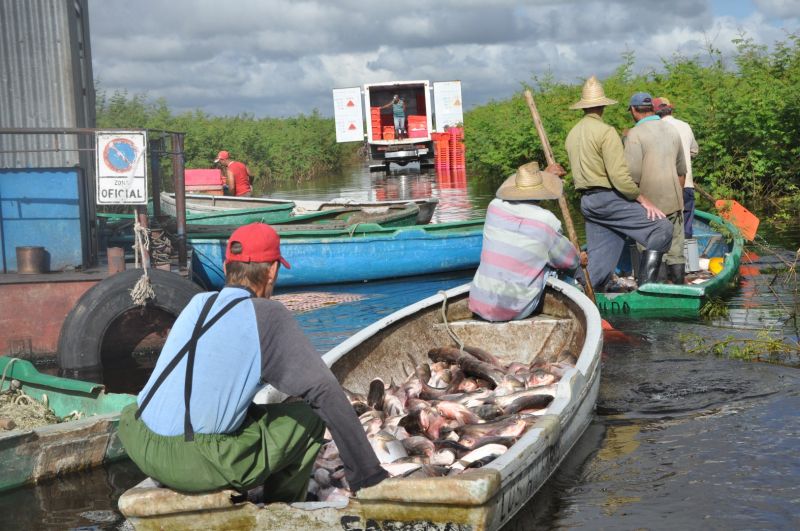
x: 732, y: 211
x: 562, y: 201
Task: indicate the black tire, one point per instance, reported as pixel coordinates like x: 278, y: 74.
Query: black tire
x: 81, y: 339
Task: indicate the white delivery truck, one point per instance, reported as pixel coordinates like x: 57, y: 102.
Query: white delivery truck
x: 359, y: 117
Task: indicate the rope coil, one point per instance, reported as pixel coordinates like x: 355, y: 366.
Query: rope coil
x: 143, y: 290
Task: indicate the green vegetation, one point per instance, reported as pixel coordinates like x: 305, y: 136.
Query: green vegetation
x: 768, y: 346
x: 276, y: 149
x: 745, y: 115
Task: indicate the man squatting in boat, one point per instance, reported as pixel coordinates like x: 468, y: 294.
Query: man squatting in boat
x: 522, y: 244
x: 225, y: 346
x: 612, y: 204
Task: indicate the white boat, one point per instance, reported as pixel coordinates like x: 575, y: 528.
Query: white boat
x: 205, y: 203
x: 477, y: 499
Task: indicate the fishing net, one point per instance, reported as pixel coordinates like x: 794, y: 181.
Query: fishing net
x: 24, y: 411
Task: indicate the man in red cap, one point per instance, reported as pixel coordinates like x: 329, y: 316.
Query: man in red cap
x: 194, y: 427
x: 237, y: 175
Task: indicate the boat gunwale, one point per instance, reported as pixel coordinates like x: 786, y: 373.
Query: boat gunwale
x: 365, y: 232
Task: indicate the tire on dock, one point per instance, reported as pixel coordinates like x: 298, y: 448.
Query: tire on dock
x: 105, y: 326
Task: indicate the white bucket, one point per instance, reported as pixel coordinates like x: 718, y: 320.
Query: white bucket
x: 691, y: 255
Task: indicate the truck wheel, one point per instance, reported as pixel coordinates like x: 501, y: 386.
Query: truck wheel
x: 107, y: 309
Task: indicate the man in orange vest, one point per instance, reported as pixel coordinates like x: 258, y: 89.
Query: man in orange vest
x: 237, y: 175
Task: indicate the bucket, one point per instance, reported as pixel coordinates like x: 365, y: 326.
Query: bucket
x: 116, y: 260
x: 691, y: 255
x: 32, y: 260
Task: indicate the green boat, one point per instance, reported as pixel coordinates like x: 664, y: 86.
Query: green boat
x: 31, y: 455
x: 386, y: 216
x: 243, y: 216
x: 715, y: 238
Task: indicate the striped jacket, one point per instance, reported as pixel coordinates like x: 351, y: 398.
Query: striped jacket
x: 522, y: 242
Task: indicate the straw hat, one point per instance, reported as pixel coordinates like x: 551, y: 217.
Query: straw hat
x: 592, y: 95
x: 529, y: 183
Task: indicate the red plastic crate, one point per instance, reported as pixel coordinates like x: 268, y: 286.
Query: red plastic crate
x: 417, y: 133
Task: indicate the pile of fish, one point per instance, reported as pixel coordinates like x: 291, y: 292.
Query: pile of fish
x: 462, y: 410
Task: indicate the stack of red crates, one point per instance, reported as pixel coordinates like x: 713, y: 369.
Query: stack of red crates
x: 388, y: 133
x: 375, y: 117
x: 457, y: 149
x: 441, y: 145
x: 417, y: 126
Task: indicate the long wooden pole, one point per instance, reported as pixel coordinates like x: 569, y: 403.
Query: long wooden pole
x: 562, y: 201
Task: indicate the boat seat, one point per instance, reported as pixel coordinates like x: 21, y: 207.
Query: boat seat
x: 542, y: 336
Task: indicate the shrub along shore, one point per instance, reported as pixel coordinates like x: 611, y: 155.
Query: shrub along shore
x: 745, y: 113
x: 275, y: 149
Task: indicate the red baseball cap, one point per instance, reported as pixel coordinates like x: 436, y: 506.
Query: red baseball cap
x: 662, y: 102
x: 260, y: 243
x: 222, y: 155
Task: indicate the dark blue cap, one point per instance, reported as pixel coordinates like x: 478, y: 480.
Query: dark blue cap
x: 641, y: 99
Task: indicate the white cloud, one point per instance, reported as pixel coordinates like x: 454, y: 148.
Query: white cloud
x: 779, y: 8
x: 273, y: 57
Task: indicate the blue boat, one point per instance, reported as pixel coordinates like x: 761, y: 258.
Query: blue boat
x: 362, y: 252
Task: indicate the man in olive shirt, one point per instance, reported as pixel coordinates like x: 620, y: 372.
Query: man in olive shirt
x: 611, y: 202
x: 655, y: 157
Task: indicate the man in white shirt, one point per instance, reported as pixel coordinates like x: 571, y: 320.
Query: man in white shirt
x: 664, y: 108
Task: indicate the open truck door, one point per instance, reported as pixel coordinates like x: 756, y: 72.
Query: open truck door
x: 448, y: 106
x: 348, y: 114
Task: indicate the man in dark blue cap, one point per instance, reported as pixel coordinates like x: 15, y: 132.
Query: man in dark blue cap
x: 656, y: 161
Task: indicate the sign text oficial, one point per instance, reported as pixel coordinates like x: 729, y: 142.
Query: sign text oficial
x: 121, y: 167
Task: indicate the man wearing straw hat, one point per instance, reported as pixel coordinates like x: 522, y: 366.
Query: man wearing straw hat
x: 522, y: 244
x: 611, y: 203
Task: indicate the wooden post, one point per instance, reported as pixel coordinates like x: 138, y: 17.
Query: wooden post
x: 562, y: 201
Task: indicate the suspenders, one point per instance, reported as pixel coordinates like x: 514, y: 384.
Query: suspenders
x: 189, y: 348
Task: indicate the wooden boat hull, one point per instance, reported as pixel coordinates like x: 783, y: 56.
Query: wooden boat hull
x: 479, y: 499
x: 342, y: 218
x: 203, y: 203
x: 352, y: 255
x: 29, y: 456
x: 667, y: 300
x: 242, y: 216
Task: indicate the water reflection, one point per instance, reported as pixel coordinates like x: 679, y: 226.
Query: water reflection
x: 460, y: 198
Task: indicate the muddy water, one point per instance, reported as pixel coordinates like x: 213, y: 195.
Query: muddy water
x: 680, y: 439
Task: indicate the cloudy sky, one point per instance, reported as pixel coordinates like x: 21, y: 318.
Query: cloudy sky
x: 283, y: 57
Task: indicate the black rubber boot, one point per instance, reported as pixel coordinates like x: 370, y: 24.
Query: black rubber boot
x: 649, y: 264
x: 676, y: 273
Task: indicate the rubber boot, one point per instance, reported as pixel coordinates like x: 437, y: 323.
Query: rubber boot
x: 676, y: 273
x: 649, y: 264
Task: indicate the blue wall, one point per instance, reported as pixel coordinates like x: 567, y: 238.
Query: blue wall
x: 42, y: 207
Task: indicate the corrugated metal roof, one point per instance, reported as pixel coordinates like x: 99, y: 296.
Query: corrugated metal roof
x: 46, y: 75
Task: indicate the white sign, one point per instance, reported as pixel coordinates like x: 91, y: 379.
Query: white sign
x: 348, y: 115
x: 121, y: 167
x: 447, y: 104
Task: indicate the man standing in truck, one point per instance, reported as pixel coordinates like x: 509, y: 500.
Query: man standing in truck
x: 398, y: 106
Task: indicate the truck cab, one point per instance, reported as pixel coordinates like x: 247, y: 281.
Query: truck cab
x: 427, y: 110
